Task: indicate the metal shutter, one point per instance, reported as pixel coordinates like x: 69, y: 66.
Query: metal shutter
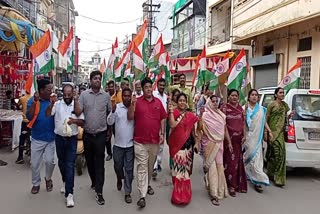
x: 266, y: 76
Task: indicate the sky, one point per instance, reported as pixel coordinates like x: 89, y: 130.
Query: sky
x: 99, y: 36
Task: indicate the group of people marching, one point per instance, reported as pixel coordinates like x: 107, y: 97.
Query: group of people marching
x: 227, y: 136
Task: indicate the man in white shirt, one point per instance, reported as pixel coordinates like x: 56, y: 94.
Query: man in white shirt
x: 123, y: 150
x: 138, y: 89
x: 159, y: 93
x: 66, y: 130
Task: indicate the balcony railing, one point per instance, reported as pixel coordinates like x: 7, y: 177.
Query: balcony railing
x: 25, y: 7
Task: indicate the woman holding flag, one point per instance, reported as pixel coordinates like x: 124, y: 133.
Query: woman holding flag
x: 181, y: 143
x: 233, y: 157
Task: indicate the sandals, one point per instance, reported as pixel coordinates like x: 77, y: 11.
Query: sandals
x: 258, y: 188
x: 215, y: 201
x: 49, y: 185
x: 232, y: 192
x: 3, y: 163
x: 35, y: 189
x: 150, y: 191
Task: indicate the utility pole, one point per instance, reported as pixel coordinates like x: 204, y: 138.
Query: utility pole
x: 148, y: 9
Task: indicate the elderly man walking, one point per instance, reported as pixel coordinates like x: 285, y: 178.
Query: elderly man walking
x: 95, y: 103
x: 66, y: 130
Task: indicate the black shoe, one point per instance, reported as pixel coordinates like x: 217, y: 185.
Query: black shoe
x: 109, y: 157
x: 119, y: 184
x: 142, y: 202
x: 128, y: 199
x: 19, y: 161
x: 99, y: 198
x: 159, y: 168
x: 154, y: 174
x: 150, y: 191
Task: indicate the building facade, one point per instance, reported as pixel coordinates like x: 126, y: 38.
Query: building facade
x: 189, y: 28
x: 280, y: 33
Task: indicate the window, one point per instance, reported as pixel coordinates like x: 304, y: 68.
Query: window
x: 305, y: 44
x: 267, y: 50
x: 307, y: 107
x: 305, y: 72
x: 268, y: 98
x: 220, y: 20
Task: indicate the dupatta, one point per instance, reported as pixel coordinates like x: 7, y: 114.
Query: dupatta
x: 181, y: 132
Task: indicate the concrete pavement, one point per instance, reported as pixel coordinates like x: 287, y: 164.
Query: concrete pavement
x: 300, y: 196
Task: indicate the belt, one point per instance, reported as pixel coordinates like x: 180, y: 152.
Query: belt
x: 94, y: 134
x: 67, y: 138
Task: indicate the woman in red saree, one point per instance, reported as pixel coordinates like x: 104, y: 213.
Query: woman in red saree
x: 181, y: 144
x: 233, y: 156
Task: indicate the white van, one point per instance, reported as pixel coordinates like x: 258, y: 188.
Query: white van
x: 303, y: 130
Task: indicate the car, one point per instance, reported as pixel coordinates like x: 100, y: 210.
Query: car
x: 302, y: 134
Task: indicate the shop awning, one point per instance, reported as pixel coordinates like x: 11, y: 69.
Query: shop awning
x: 15, y: 30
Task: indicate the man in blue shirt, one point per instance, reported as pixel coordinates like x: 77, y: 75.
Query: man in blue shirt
x: 42, y: 135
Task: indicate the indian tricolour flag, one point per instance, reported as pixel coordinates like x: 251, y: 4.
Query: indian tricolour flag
x: 137, y: 63
x: 31, y: 83
x: 116, y: 54
x: 205, y: 76
x: 292, y: 79
x: 66, y: 50
x: 41, y: 51
x: 195, y: 78
x: 122, y: 64
x: 141, y: 41
x: 153, y: 63
x: 164, y: 61
x: 108, y: 74
x: 103, y: 72
x: 238, y: 71
x: 219, y: 69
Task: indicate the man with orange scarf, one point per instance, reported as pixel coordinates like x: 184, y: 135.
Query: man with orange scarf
x: 42, y: 135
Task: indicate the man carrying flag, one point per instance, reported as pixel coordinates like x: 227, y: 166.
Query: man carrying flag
x: 42, y: 127
x: 42, y: 135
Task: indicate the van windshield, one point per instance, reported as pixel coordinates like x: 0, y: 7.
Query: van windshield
x: 307, y: 107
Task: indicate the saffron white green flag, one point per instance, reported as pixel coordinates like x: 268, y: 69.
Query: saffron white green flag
x: 137, y: 63
x: 41, y: 51
x: 142, y: 42
x: 238, y: 71
x: 292, y: 79
x: 164, y: 61
x: 122, y: 64
x: 196, y: 74
x: 245, y: 88
x: 66, y: 50
x: 153, y: 63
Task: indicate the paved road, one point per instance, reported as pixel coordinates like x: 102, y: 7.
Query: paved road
x: 301, y: 195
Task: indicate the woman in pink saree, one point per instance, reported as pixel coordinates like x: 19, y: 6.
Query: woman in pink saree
x: 181, y: 145
x: 212, y: 131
